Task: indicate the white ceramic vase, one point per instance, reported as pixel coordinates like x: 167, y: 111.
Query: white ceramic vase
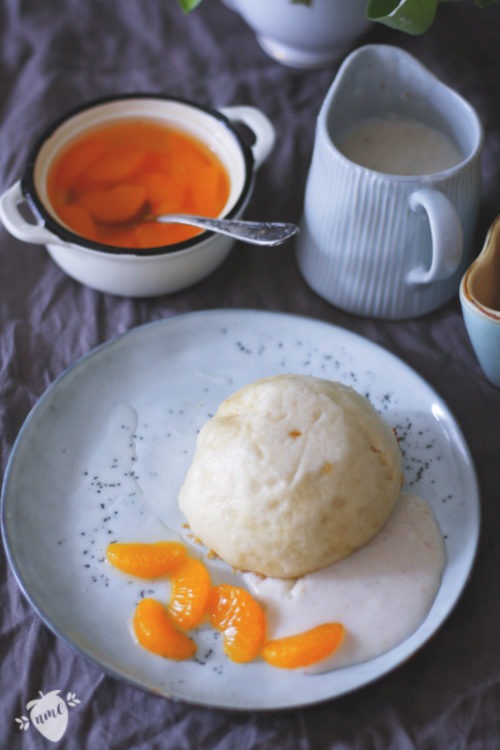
x: 304, y: 36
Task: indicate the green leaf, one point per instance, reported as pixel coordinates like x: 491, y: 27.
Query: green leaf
x: 188, y: 5
x: 410, y: 16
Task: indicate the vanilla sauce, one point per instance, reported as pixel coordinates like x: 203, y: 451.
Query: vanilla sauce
x: 398, y: 146
x: 381, y: 593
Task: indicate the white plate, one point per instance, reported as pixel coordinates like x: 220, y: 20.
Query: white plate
x: 104, y: 451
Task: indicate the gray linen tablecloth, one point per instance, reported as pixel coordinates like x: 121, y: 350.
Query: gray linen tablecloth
x: 56, y: 56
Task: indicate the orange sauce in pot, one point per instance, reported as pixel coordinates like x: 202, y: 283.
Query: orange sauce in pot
x: 108, y: 183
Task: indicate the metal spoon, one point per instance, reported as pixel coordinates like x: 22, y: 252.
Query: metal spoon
x: 255, y: 232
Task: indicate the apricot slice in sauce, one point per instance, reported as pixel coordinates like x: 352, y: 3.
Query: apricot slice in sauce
x: 190, y: 589
x: 146, y: 560
x: 156, y: 633
x: 305, y: 648
x: 234, y: 612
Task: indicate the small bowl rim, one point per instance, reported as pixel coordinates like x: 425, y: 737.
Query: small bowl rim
x: 30, y: 191
x: 470, y: 301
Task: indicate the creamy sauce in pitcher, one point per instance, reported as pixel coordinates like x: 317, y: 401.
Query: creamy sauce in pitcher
x: 396, y: 146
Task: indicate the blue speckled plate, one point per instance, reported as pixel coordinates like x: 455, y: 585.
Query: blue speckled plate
x: 104, y: 452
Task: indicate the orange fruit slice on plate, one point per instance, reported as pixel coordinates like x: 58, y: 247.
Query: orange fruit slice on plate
x: 234, y: 612
x: 305, y: 648
x: 146, y: 560
x: 191, y: 586
x: 156, y: 633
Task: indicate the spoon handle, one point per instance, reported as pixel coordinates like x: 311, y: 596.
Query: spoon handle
x: 255, y: 232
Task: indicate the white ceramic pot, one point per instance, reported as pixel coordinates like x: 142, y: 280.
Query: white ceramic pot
x: 304, y: 36
x: 152, y: 271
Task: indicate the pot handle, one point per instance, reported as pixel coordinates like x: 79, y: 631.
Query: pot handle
x: 16, y: 224
x: 446, y: 233
x: 259, y: 124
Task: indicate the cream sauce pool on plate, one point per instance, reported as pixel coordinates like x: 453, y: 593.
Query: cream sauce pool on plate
x: 381, y: 593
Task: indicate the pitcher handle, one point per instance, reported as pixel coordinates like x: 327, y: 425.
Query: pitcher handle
x: 446, y: 233
x: 259, y: 124
x: 16, y: 224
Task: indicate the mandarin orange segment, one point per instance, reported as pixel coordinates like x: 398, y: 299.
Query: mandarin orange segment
x: 120, y: 238
x: 77, y: 219
x: 209, y: 191
x: 189, y: 160
x: 116, y: 205
x: 164, y: 195
x: 305, y: 648
x: 190, y: 589
x: 146, y: 560
x: 77, y: 160
x: 241, y: 619
x: 118, y: 165
x: 150, y: 234
x: 128, y: 170
x: 156, y: 633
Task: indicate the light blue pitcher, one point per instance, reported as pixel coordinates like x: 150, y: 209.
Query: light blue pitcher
x: 385, y: 245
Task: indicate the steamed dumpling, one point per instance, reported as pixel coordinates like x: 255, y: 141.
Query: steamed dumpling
x: 292, y: 473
